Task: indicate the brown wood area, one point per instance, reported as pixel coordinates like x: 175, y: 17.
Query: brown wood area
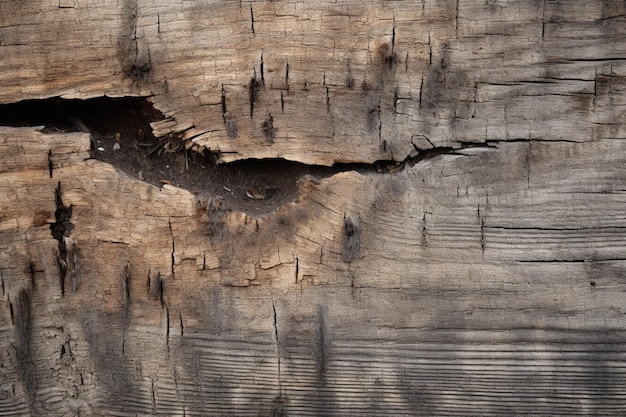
x: 292, y: 208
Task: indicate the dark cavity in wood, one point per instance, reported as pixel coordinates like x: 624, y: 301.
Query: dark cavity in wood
x: 125, y: 122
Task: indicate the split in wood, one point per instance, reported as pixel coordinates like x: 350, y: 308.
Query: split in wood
x: 125, y: 122
x: 61, y: 229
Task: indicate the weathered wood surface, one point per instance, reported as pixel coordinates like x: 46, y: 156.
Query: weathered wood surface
x: 347, y: 81
x: 475, y: 290
x: 488, y: 281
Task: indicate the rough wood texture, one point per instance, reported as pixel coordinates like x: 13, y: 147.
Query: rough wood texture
x: 347, y: 81
x: 482, y: 281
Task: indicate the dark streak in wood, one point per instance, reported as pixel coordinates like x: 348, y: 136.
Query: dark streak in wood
x: 351, y: 238
x: 252, y: 20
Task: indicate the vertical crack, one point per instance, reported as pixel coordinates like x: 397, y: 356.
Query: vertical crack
x: 160, y: 290
x: 50, y: 163
x: 126, y: 298
x: 154, y: 407
x: 11, y: 311
x: 327, y: 100
x: 393, y: 43
x: 173, y: 260
x: 31, y: 272
x: 543, y: 20
x: 475, y: 101
x: 527, y: 162
x: 231, y: 125
x: 262, y: 70
x: 252, y: 19
x: 155, y: 287
x: 421, y: 91
x: 275, y: 323
x: 395, y: 100
x: 61, y: 229
x: 254, y: 89
x: 595, y: 89
x: 482, y: 229
x: 72, y: 263
x: 456, y: 19
x: 353, y: 283
x: 430, y: 52
x: 223, y: 104
x: 167, y: 328
x: 126, y: 289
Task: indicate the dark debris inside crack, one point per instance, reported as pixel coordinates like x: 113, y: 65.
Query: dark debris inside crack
x: 121, y: 136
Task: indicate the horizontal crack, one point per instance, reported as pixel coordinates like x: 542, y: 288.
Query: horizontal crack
x: 122, y: 136
x: 573, y: 260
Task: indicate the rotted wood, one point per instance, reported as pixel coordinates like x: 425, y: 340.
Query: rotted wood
x: 483, y: 278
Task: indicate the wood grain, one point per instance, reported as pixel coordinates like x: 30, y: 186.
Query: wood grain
x: 475, y: 290
x: 475, y: 280
x: 347, y: 81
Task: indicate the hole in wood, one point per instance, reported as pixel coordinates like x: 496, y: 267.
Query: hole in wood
x: 122, y: 136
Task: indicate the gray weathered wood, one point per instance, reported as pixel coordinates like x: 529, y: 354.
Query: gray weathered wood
x: 486, y: 280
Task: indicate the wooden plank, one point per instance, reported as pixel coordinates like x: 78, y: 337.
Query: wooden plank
x: 334, y: 78
x: 444, y: 309
x: 483, y: 276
